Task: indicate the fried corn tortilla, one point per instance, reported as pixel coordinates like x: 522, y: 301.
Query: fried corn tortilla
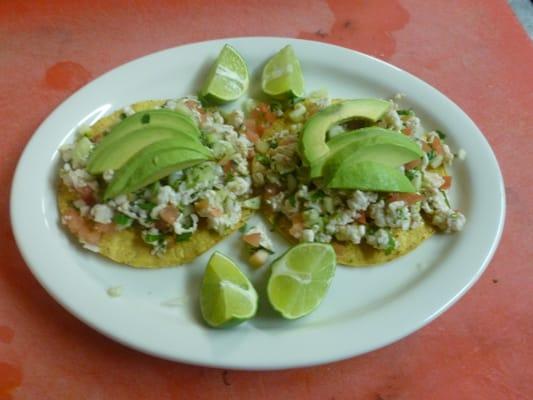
x: 358, y: 254
x: 126, y: 246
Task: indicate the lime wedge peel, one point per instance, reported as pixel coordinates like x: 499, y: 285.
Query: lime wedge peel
x: 227, y: 297
x: 228, y: 77
x: 282, y: 76
x: 300, y: 279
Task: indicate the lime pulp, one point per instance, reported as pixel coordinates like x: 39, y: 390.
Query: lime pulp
x: 282, y: 76
x: 300, y: 279
x: 227, y: 297
x: 228, y: 77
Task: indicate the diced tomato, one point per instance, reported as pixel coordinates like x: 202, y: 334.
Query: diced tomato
x: 296, y: 230
x: 260, y: 129
x: 270, y: 117
x: 447, y: 182
x: 228, y: 166
x: 297, y: 226
x: 251, y: 130
x: 362, y: 218
x: 87, y: 195
x: 203, y: 209
x: 252, y: 136
x: 73, y: 220
x: 192, y: 105
x: 215, y: 212
x: 263, y: 107
x: 169, y: 214
x: 408, y: 198
x: 253, y: 239
x: 262, y: 117
x: 258, y: 112
x: 80, y: 227
x: 437, y: 146
x: 412, y: 164
x: 407, y: 131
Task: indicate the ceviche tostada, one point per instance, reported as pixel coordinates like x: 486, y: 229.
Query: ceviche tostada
x: 158, y: 183
x: 360, y: 174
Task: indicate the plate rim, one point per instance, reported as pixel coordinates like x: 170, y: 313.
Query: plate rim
x: 19, y: 239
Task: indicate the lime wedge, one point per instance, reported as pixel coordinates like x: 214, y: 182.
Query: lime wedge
x: 282, y: 76
x: 300, y: 279
x: 228, y: 77
x: 227, y: 297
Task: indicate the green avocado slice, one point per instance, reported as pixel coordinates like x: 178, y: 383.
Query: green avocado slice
x: 152, y: 163
x: 114, y: 156
x: 396, y: 149
x: 366, y: 175
x: 312, y: 141
x: 160, y: 118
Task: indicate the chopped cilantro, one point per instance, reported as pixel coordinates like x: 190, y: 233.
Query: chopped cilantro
x: 243, y: 228
x: 229, y: 176
x: 154, y: 189
x: 446, y: 198
x: 276, y: 106
x: 183, y: 237
x: 203, y: 101
x: 123, y: 116
x: 121, y: 219
x: 273, y: 143
x: 145, y: 119
x: 405, y: 112
x: 208, y: 138
x: 263, y: 159
x: 390, y: 245
x: 267, y: 250
x: 410, y: 174
x: 441, y: 134
x: 292, y: 200
x: 275, y: 222
x: 147, y: 206
x: 371, y: 229
x: 431, y: 155
x: 150, y: 238
x: 296, y: 100
x: 319, y: 194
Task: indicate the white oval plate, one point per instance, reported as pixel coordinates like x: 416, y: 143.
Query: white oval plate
x: 157, y: 313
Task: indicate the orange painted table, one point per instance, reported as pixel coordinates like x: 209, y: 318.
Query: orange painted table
x: 475, y: 51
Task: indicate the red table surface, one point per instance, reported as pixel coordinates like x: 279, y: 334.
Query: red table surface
x: 475, y: 51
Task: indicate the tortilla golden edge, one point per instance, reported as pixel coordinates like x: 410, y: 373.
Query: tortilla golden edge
x: 125, y: 246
